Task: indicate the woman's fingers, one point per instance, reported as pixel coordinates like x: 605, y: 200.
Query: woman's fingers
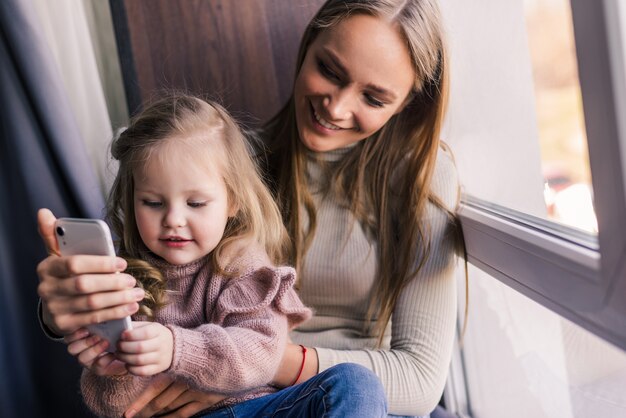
x: 79, y: 334
x: 165, y: 395
x: 155, y: 397
x: 45, y: 222
x: 60, y: 305
x: 63, y: 267
x: 90, y: 285
x: 191, y: 402
x: 71, y: 321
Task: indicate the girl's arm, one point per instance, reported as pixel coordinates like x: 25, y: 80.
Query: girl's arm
x: 110, y: 396
x: 243, y: 345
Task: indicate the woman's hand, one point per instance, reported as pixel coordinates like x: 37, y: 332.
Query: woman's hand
x: 168, y: 398
x: 147, y: 349
x: 80, y: 290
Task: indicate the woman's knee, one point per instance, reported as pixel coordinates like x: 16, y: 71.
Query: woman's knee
x: 358, y: 384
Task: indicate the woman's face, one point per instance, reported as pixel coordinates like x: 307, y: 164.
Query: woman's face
x: 354, y: 78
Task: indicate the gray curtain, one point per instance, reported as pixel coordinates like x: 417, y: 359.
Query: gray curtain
x: 42, y: 164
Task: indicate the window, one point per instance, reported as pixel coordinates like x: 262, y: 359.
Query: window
x: 495, y: 128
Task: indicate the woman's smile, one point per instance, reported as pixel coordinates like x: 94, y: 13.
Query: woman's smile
x: 322, y: 124
x: 343, y: 92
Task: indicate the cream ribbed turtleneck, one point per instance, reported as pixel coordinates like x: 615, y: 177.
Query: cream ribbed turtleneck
x: 336, y: 280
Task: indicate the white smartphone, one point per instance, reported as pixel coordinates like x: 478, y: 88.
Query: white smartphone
x: 91, y: 237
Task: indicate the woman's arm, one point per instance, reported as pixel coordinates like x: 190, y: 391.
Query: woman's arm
x: 81, y: 290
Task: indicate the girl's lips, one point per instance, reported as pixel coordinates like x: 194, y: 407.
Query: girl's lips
x: 175, y: 243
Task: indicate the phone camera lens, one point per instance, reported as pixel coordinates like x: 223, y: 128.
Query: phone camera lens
x: 60, y: 231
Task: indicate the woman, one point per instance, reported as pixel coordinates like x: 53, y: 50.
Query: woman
x: 356, y: 151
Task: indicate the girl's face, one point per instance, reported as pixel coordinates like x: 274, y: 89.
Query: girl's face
x: 354, y: 78
x: 181, y: 206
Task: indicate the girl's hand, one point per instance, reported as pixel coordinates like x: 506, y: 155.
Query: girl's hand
x: 81, y: 290
x: 147, y: 349
x: 168, y: 398
x: 90, y: 352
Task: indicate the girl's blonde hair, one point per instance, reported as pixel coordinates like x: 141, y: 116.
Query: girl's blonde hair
x: 214, y: 137
x: 410, y: 140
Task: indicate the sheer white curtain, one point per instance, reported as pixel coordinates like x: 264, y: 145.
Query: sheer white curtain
x: 65, y: 26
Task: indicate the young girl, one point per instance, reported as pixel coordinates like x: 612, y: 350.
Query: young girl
x: 201, y: 234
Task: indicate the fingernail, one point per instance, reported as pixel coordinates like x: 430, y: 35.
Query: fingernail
x: 130, y: 413
x: 120, y: 264
x: 138, y: 294
x: 131, y: 281
x: 132, y: 308
x: 82, y: 333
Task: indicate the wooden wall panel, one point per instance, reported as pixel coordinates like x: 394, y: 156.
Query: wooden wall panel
x: 240, y: 51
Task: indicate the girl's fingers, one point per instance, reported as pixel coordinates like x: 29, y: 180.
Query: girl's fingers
x: 147, y: 370
x: 141, y: 331
x: 138, y: 360
x: 137, y: 347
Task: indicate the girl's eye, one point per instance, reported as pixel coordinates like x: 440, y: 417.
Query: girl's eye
x: 372, y: 101
x: 196, y: 204
x: 326, y: 71
x: 151, y: 203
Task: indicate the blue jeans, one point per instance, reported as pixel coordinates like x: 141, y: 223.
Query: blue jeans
x: 345, y: 390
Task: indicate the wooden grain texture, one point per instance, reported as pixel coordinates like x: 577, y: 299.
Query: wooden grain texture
x: 242, y: 52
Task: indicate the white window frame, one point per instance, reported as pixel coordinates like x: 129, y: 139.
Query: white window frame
x: 579, y: 277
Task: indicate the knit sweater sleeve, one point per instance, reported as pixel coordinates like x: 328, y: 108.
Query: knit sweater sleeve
x: 242, y: 346
x: 414, y: 369
x: 110, y: 396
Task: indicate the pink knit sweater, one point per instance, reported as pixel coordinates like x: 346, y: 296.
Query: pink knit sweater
x: 229, y: 333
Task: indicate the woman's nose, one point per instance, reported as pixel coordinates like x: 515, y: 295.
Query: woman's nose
x: 339, y: 105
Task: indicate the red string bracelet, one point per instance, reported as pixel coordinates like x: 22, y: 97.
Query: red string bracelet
x: 301, y: 366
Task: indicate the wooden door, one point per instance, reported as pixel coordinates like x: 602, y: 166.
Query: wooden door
x: 241, y: 52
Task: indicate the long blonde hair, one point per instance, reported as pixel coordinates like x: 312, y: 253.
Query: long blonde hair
x: 257, y: 219
x: 410, y: 140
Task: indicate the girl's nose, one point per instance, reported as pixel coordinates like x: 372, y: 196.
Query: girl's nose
x: 174, y: 218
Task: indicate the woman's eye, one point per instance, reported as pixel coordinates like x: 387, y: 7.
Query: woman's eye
x: 372, y: 101
x: 151, y: 203
x: 196, y: 204
x: 326, y: 71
